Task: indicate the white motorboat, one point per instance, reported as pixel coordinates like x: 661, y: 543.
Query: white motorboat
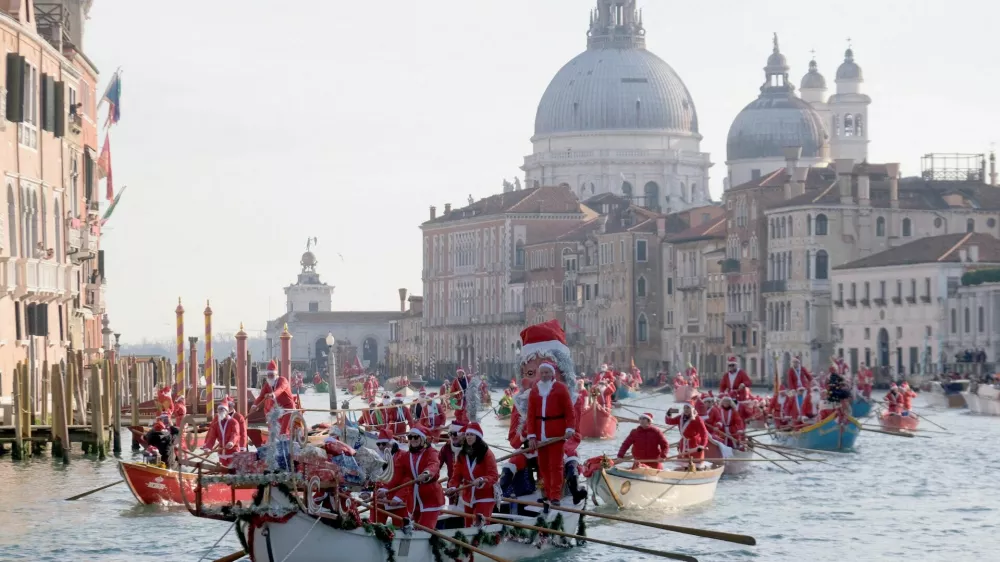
x: 985, y: 400
x: 951, y: 394
x: 648, y: 487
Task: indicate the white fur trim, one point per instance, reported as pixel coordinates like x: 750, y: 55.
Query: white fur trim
x: 508, y: 466
x: 532, y: 436
x: 417, y: 432
x: 474, y: 432
x: 570, y: 431
x: 542, y: 348
x: 456, y: 428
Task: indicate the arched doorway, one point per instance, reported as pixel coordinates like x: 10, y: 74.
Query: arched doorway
x: 883, y: 347
x: 369, y: 353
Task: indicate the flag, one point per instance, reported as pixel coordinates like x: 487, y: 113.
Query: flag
x: 111, y: 208
x: 113, y: 95
x: 104, y: 164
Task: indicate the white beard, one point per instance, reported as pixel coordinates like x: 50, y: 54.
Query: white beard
x: 544, y: 388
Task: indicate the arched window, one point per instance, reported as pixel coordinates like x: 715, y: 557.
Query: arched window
x: 880, y: 226
x: 848, y: 125
x: 652, y: 195
x: 982, y: 320
x: 970, y: 225
x: 906, y: 227
x: 809, y: 225
x: 821, y: 225
x: 627, y: 191
x: 822, y: 265
x: 859, y: 129
x: 643, y: 328
x: 569, y: 291
x: 11, y: 221
x: 782, y: 227
x: 640, y: 287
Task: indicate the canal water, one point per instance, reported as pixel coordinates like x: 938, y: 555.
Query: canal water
x: 933, y: 499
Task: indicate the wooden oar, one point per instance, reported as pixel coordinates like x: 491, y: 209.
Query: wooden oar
x: 705, y: 533
x: 917, y: 430
x: 94, y: 491
x: 232, y: 557
x: 774, y: 462
x: 788, y: 455
x: 894, y: 433
x: 818, y: 451
x: 509, y: 523
x: 632, y: 420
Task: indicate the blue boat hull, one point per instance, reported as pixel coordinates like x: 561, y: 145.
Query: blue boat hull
x: 825, y: 435
x: 622, y: 393
x: 861, y: 409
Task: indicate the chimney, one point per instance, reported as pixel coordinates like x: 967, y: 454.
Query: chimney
x: 661, y: 226
x: 974, y: 253
x: 434, y: 212
x: 892, y: 170
x: 801, y: 175
x: 864, y: 186
x: 792, y: 155
x: 447, y: 208
x: 993, y: 168
x: 416, y: 304
x: 845, y: 167
x: 402, y: 300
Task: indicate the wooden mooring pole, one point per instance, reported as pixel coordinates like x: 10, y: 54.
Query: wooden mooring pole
x: 116, y: 411
x: 22, y: 417
x: 60, y: 424
x: 134, y: 400
x: 100, y: 446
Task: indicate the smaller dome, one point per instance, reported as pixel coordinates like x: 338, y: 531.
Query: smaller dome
x: 849, y: 70
x: 813, y: 79
x: 308, y: 260
x: 776, y: 63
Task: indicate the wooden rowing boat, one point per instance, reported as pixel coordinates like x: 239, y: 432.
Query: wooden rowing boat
x: 151, y: 484
x: 684, y: 392
x: 735, y: 463
x: 830, y: 434
x: 597, y: 423
x: 897, y: 422
x: 648, y: 487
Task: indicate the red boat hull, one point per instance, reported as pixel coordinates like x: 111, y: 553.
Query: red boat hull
x: 597, y: 424
x: 154, y: 485
x: 891, y: 422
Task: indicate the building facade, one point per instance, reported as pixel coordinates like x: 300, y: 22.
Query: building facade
x: 618, y: 119
x: 51, y: 267
x: 406, y: 338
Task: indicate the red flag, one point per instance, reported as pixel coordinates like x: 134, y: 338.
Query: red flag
x: 104, y: 163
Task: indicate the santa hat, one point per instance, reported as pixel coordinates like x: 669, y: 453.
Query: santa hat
x: 732, y: 360
x: 272, y: 368
x: 432, y: 395
x: 646, y: 415
x: 399, y: 396
x: 513, y: 382
x: 456, y: 428
x: 459, y: 371
x: 419, y: 431
x: 385, y: 436
x: 543, y: 339
x: 604, y: 367
x: 421, y: 393
x: 893, y: 386
x: 475, y: 429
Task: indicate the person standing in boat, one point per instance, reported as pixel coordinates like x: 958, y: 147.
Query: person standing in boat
x: 649, y: 445
x: 238, y: 418
x: 179, y: 411
x: 692, y: 377
x: 450, y: 450
x: 164, y: 400
x: 517, y: 474
x: 694, y: 434
x: 730, y: 426
x: 797, y: 376
x: 907, y: 395
x: 394, y: 509
x: 894, y: 400
x: 713, y: 411
x: 419, y: 469
x: 460, y: 387
x: 550, y: 414
x: 399, y: 417
x: 865, y: 381
x: 798, y: 409
x: 223, y: 436
x: 735, y: 376
x: 372, y: 418
x: 160, y: 438
x: 476, y: 471
x: 276, y: 391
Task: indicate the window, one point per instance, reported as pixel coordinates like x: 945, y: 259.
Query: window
x: 643, y: 328
x: 822, y: 265
x: 868, y: 333
x: 967, y: 320
x: 982, y: 320
x: 970, y: 225
x: 954, y: 321
x: 11, y: 221
x: 848, y: 125
x: 906, y: 227
x: 569, y: 260
x: 809, y: 225
x: 27, y: 130
x: 640, y: 250
x: 670, y: 285
x: 569, y: 292
x: 621, y: 250
x: 640, y: 287
x: 867, y: 291
x: 519, y: 254
x: 821, y: 225
x: 913, y: 289
x: 836, y: 125
x: 859, y: 129
x: 927, y: 289
x: 880, y: 226
x: 881, y: 290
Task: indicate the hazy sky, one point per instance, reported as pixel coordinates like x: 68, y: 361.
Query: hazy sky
x: 248, y: 126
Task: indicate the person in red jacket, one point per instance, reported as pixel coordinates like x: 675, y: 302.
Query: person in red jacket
x: 894, y: 400
x: 692, y: 376
x: 679, y: 380
x: 694, y: 434
x: 512, y: 387
x: 729, y: 426
x: 798, y: 409
x: 399, y: 417
x: 713, y: 411
x: 476, y: 471
x: 459, y: 387
x: 550, y: 415
x: 224, y: 435
x: 276, y: 391
x: 238, y: 418
x: 735, y: 376
x: 419, y: 469
x: 450, y: 450
x: 179, y: 411
x: 908, y: 395
x: 163, y: 399
x: 865, y: 381
x: 797, y: 376
x: 648, y: 444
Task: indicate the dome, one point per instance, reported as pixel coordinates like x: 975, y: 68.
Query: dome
x: 849, y: 70
x: 308, y: 260
x: 813, y: 79
x: 616, y: 83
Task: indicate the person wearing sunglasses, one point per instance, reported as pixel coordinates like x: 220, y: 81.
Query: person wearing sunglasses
x: 416, y: 473
x: 450, y: 450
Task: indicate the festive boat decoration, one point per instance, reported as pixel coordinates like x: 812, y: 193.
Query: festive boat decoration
x: 897, y: 422
x: 321, y: 387
x: 597, y: 422
x: 835, y: 433
x: 648, y: 487
x: 151, y: 484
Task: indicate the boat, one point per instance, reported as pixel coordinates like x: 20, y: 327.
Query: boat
x: 950, y: 394
x: 151, y: 484
x: 646, y: 487
x: 984, y: 400
x: 684, y: 392
x: 303, y: 536
x: 597, y: 423
x: 622, y: 392
x: 897, y: 422
x: 830, y: 434
x: 321, y: 387
x: 398, y: 384
x: 732, y: 464
x: 861, y: 407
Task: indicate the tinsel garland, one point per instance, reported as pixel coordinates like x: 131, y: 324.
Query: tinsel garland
x: 506, y: 533
x: 249, y: 511
x: 254, y: 479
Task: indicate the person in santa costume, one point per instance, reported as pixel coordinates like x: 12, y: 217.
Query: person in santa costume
x: 399, y: 417
x: 661, y: 378
x: 713, y: 411
x: 517, y: 473
x: 476, y: 472
x: 160, y: 438
x: 512, y: 387
x: 694, y: 434
x: 276, y: 391
x: 797, y: 376
x: 459, y: 387
x: 692, y: 376
x: 865, y: 381
x: 372, y: 418
x: 908, y: 395
x: 396, y: 512
x: 734, y: 376
x: 163, y: 399
x: 894, y: 400
x: 450, y: 450
x: 729, y: 426
x: 223, y: 435
x: 679, y: 380
x: 238, y: 418
x: 648, y: 444
x: 179, y: 411
x: 419, y: 469
x: 798, y: 409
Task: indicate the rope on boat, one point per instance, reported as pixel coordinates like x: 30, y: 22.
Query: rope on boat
x: 203, y: 556
x: 298, y: 544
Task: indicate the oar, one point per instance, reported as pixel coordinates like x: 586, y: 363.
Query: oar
x: 774, y: 462
x: 509, y: 523
x: 788, y: 455
x: 94, y: 491
x: 818, y: 451
x: 632, y: 420
x: 893, y: 433
x: 705, y: 533
x: 232, y: 557
x: 917, y: 430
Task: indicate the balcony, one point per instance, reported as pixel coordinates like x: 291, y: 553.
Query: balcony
x: 730, y: 265
x: 741, y: 318
x: 690, y: 283
x: 839, y: 303
x: 75, y: 124
x: 926, y: 299
x: 879, y: 302
x: 512, y: 318
x: 716, y: 340
x: 774, y: 286
x: 897, y: 300
x: 8, y: 277
x: 851, y: 302
x: 40, y: 277
x: 866, y: 302
x: 911, y: 300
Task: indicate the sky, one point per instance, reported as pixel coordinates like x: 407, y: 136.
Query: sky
x: 249, y: 126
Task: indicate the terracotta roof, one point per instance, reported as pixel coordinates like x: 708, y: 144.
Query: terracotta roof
x: 545, y: 199
x: 339, y: 317
x: 944, y: 248
x: 580, y: 232
x: 631, y: 219
x: 712, y: 229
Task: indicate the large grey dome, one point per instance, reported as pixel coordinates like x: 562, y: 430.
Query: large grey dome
x: 616, y: 83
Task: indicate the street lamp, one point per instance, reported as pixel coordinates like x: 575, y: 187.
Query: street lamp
x: 331, y: 366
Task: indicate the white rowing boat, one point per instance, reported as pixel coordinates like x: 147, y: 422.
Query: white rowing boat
x: 648, y: 487
x: 734, y: 458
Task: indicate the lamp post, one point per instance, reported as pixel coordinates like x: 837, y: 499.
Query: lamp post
x: 331, y: 366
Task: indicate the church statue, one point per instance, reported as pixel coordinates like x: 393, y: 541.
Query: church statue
x: 310, y: 242
x: 517, y: 183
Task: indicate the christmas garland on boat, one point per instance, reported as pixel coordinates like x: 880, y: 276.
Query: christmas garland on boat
x: 385, y: 533
x: 506, y: 533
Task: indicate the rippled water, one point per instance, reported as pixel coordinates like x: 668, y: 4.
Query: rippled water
x: 927, y: 499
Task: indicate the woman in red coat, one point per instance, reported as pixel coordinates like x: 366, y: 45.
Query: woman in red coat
x: 694, y: 434
x: 450, y: 450
x: 647, y: 443
x: 730, y: 426
x: 419, y: 469
x: 475, y: 468
x: 224, y: 435
x: 550, y: 415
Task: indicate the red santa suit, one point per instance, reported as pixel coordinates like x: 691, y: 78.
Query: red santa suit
x: 179, y: 411
x: 606, y: 394
x: 894, y: 400
x: 240, y: 419
x: 798, y: 409
x: 426, y: 500
x: 460, y: 385
x: 700, y: 407
x: 730, y: 426
x: 694, y: 435
x: 373, y: 418
x: 647, y: 443
x: 692, y: 376
x: 448, y: 454
x: 866, y: 381
x: 478, y: 497
x: 224, y: 432
x: 280, y: 394
x: 908, y: 395
x: 731, y: 381
x: 163, y: 399
x: 679, y: 381
x: 399, y: 417
x: 796, y: 379
x: 550, y: 415
x: 517, y: 438
x: 714, y: 414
